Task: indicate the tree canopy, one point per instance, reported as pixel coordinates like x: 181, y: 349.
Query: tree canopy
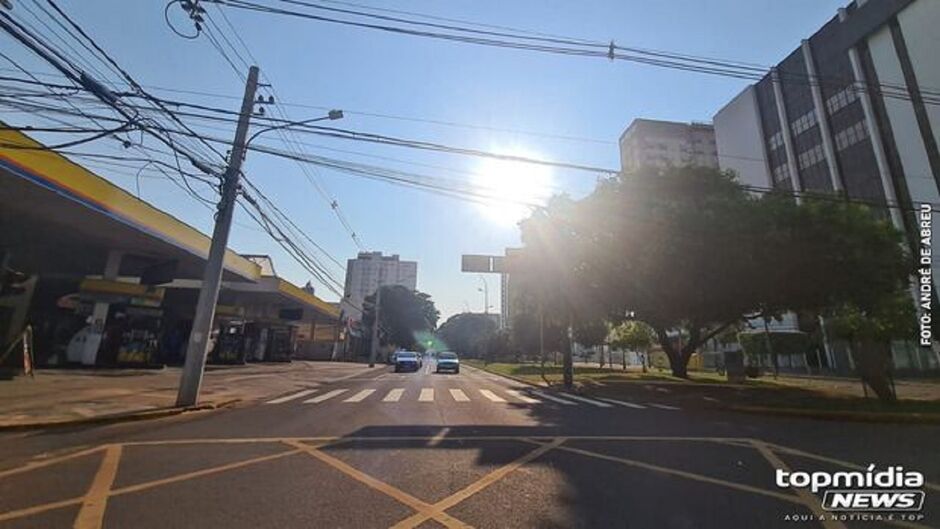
x: 687, y: 248
x: 467, y: 334
x: 404, y: 314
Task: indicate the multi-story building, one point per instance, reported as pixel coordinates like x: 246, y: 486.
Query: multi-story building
x: 368, y: 271
x: 648, y: 142
x: 853, y: 110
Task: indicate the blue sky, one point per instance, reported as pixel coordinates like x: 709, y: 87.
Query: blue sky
x: 321, y: 65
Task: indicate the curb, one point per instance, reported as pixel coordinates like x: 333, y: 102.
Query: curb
x: 133, y: 416
x: 854, y: 416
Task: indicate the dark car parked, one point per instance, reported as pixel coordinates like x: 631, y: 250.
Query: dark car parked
x: 407, y: 361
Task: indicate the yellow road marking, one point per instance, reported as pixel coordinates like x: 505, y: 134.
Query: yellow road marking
x: 808, y: 498
x: 91, y: 515
x: 846, y: 464
x: 680, y: 473
x: 51, y: 461
x: 487, y: 480
x: 199, y: 473
x: 390, y: 491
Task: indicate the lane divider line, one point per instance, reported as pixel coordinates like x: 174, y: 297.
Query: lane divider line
x: 91, y: 514
x: 425, y: 510
x: 462, y: 495
x: 662, y: 406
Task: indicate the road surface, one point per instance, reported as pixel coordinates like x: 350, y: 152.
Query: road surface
x: 428, y: 450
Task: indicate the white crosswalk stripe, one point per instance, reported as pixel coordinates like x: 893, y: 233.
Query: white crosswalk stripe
x: 427, y: 395
x: 492, y: 396
x: 662, y: 406
x: 593, y: 402
x: 359, y: 397
x: 394, y: 395
x: 293, y: 396
x: 552, y: 398
x: 326, y: 396
x: 459, y: 395
x: 522, y: 396
x: 623, y: 403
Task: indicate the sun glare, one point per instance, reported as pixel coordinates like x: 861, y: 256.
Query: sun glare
x: 513, y: 185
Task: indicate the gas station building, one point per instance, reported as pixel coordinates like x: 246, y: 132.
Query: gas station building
x: 107, y: 279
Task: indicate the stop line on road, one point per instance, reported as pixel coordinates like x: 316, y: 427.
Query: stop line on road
x: 455, y: 395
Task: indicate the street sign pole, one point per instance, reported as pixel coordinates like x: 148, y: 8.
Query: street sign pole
x: 196, y: 350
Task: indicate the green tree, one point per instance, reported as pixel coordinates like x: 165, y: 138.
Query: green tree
x: 592, y: 334
x: 467, y: 334
x: 687, y: 249
x: 404, y: 313
x: 634, y: 336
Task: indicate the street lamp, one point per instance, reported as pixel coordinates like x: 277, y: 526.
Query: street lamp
x: 332, y: 115
x: 486, y: 295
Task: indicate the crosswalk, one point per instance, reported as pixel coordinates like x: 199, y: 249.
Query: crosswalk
x: 457, y: 395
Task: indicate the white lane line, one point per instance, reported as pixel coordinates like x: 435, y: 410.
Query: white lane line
x: 592, y: 402
x: 325, y: 396
x: 492, y: 396
x: 359, y: 397
x: 427, y: 395
x: 546, y: 396
x: 662, y: 406
x: 459, y: 395
x: 394, y: 395
x: 522, y: 396
x: 623, y: 403
x: 288, y: 398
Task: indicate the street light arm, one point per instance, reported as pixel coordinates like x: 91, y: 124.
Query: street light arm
x: 332, y: 115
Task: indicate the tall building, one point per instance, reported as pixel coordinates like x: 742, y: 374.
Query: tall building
x: 368, y: 271
x: 648, y: 142
x: 855, y: 110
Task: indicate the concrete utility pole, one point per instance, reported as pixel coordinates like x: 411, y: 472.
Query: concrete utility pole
x: 374, y: 343
x: 196, y: 350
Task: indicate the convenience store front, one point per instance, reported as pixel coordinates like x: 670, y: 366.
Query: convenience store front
x: 100, y: 264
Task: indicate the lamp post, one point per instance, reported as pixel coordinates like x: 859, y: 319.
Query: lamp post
x: 331, y: 115
x: 486, y: 295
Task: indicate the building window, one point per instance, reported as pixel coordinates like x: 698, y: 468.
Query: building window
x: 811, y: 157
x: 781, y: 173
x: 803, y: 123
x: 776, y: 141
x: 851, y: 135
x: 841, y: 99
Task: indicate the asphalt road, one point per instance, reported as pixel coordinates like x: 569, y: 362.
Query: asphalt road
x: 428, y: 450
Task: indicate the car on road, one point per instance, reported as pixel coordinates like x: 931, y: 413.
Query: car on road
x: 447, y: 361
x: 407, y: 361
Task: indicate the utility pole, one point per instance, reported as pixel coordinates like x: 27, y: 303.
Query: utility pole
x: 196, y: 350
x: 374, y: 343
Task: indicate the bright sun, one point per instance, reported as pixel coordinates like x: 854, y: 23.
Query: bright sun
x: 512, y: 185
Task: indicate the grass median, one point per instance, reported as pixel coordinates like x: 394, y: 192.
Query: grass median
x: 789, y: 395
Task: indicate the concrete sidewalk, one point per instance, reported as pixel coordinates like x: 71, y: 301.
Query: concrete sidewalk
x: 75, y: 395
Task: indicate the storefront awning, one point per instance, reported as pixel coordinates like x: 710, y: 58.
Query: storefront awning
x: 60, y: 218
